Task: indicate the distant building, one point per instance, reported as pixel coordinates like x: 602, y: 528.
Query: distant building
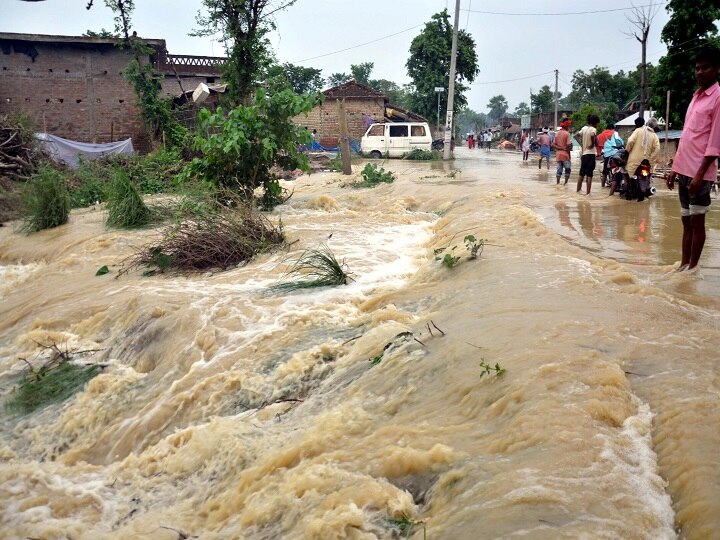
x: 362, y: 106
x: 73, y: 86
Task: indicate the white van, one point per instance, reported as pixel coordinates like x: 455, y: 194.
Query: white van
x: 395, y: 139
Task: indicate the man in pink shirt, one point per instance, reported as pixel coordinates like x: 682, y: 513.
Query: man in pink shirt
x: 695, y: 163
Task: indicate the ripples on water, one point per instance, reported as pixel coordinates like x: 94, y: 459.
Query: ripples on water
x: 228, y: 412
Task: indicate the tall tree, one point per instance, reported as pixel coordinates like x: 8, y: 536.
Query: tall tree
x: 302, y: 80
x: 243, y: 26
x: 361, y: 72
x: 544, y: 100
x: 691, y: 25
x: 429, y: 65
x: 522, y: 109
x: 497, y: 107
x: 338, y: 78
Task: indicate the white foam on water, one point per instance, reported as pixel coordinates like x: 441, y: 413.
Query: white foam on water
x: 637, y: 462
x: 14, y: 275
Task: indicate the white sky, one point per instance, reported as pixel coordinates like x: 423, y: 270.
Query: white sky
x: 509, y: 47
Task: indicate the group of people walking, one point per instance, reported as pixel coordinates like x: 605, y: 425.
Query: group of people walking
x: 480, y: 139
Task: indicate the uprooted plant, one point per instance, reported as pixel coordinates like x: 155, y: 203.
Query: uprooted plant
x: 46, y: 203
x: 374, y: 175
x: 314, y: 268
x: 225, y: 235
x: 473, y: 245
x: 487, y: 369
x: 406, y: 525
x: 56, y: 379
x: 126, y: 208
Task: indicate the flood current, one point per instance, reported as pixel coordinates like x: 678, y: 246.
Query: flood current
x: 227, y: 412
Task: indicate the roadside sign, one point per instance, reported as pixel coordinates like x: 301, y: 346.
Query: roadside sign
x: 525, y: 121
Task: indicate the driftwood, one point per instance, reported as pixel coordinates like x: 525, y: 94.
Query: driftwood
x: 18, y: 148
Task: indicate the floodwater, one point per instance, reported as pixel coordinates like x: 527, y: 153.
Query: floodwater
x: 228, y: 412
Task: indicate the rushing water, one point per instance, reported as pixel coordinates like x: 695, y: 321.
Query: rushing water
x: 227, y: 412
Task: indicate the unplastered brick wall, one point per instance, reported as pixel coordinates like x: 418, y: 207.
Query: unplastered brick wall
x: 73, y: 90
x: 324, y: 118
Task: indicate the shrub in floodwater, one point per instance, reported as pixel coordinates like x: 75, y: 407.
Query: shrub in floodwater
x: 218, y: 236
x: 473, y: 245
x: 418, y: 154
x: 50, y: 386
x: 314, y: 268
x: 405, y: 525
x: 45, y: 200
x: 125, y: 206
x: 374, y: 175
x: 335, y: 164
x: 486, y: 368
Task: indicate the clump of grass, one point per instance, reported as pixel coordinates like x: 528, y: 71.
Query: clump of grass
x: 335, y: 164
x: 374, y: 175
x: 405, y: 525
x: 56, y: 380
x: 314, y: 268
x: 45, y: 200
x: 125, y: 206
x: 217, y: 237
x: 418, y: 154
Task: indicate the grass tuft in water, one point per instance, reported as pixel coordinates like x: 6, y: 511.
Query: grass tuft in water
x: 314, y: 268
x: 125, y: 206
x: 45, y: 200
x: 405, y: 525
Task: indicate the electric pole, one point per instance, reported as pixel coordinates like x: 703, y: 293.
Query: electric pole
x: 451, y: 86
x: 556, y: 99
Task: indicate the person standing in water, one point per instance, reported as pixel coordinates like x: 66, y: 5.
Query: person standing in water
x: 695, y: 164
x: 525, y: 146
x: 544, y: 142
x: 562, y: 146
x: 588, y: 142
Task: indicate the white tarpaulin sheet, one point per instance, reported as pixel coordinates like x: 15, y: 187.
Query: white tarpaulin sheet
x: 69, y: 152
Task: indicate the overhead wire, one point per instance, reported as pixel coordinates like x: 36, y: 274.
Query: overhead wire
x: 560, y: 14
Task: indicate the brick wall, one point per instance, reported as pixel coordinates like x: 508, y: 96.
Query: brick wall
x: 324, y: 118
x: 73, y: 90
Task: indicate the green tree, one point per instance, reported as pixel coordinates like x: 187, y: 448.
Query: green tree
x: 302, y: 80
x: 338, y: 78
x: 397, y: 95
x: 361, y: 72
x: 543, y: 101
x: 522, y: 109
x: 691, y: 26
x: 429, y: 65
x: 497, y: 107
x: 607, y: 115
x: 243, y: 26
x: 468, y: 120
x: 239, y: 149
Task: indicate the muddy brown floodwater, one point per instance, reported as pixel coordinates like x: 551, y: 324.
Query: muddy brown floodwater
x: 228, y: 412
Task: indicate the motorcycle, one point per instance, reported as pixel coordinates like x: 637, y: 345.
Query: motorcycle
x: 438, y: 144
x: 639, y: 185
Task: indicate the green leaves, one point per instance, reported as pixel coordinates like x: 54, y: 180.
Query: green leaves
x: 102, y: 270
x: 241, y: 146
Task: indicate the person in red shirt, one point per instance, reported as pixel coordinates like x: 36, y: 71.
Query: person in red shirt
x: 562, y: 146
x: 695, y: 163
x: 601, y: 139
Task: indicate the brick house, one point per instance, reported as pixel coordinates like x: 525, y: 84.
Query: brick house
x: 361, y: 102
x: 73, y: 86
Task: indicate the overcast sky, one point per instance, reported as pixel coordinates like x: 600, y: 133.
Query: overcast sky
x: 516, y: 53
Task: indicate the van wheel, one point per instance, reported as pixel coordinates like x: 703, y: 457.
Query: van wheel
x: 375, y: 154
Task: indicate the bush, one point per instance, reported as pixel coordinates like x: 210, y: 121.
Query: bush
x: 374, y: 175
x: 240, y: 148
x: 125, y: 206
x: 45, y: 201
x: 220, y: 237
x: 423, y: 155
x: 314, y: 268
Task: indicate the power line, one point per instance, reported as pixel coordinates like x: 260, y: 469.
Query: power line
x: 360, y: 44
x: 559, y: 14
x: 513, y: 80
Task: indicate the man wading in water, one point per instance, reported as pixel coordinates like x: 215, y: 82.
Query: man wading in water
x: 588, y: 141
x: 695, y: 163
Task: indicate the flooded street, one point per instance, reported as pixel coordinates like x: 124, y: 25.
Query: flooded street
x: 225, y: 411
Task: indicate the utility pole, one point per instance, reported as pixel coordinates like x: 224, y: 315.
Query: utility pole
x: 451, y: 86
x: 556, y: 99
x: 344, y: 144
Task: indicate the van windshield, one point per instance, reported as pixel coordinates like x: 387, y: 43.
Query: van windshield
x: 377, y: 131
x: 398, y: 131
